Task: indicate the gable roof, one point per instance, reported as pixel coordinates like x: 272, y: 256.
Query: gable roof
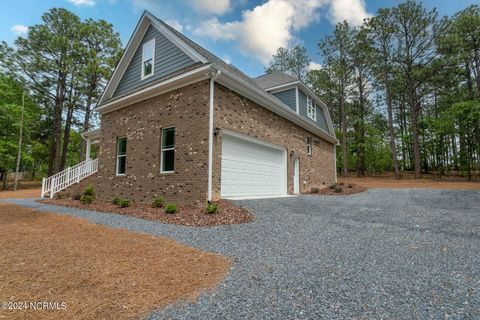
x: 274, y: 79
x: 229, y: 76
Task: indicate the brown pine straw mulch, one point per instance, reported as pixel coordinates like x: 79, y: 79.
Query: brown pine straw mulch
x: 354, y: 188
x: 97, y: 271
x: 228, y: 213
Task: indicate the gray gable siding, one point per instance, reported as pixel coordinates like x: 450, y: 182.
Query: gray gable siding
x: 168, y: 59
x: 289, y: 97
x: 302, y: 103
x: 302, y: 108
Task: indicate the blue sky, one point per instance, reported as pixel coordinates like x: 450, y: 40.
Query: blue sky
x: 243, y: 32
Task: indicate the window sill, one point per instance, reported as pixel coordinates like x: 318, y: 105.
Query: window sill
x: 120, y: 175
x: 167, y: 172
x: 146, y: 77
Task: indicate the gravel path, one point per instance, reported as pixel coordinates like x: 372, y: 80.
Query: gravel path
x: 396, y: 254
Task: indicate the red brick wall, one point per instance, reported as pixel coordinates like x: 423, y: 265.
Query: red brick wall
x: 187, y: 110
x: 236, y: 113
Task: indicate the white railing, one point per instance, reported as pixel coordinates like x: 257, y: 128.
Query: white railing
x: 69, y: 176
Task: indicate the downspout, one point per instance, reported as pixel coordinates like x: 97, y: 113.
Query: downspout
x: 210, y: 135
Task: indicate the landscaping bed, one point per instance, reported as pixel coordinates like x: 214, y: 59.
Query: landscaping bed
x: 89, y: 271
x: 340, y: 189
x: 228, y: 212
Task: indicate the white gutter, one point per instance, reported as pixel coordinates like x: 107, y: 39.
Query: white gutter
x: 210, y: 134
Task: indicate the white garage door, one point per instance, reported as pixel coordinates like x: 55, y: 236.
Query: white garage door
x: 251, y: 168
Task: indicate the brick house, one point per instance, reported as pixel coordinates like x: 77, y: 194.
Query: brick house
x: 181, y: 123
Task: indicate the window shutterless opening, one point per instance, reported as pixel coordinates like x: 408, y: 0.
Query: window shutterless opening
x: 309, y: 146
x: 121, y: 156
x: 311, y: 109
x: 148, y: 59
x: 167, y: 161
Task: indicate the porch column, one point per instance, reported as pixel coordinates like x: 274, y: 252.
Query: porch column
x: 89, y: 146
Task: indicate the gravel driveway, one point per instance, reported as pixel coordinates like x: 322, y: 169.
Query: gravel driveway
x: 396, y: 254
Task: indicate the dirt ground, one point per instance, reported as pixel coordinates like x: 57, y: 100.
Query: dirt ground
x: 26, y: 193
x: 88, y: 271
x: 390, y: 182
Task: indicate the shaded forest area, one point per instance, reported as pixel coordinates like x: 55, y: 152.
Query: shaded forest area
x: 403, y: 90
x: 62, y: 66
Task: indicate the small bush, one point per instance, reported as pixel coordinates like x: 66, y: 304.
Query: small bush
x: 86, y: 199
x: 171, y: 208
x: 342, y: 183
x: 158, y: 202
x: 211, y: 208
x: 350, y: 185
x: 89, y: 191
x: 116, y: 200
x: 333, y: 186
x: 338, y: 190
x: 123, y: 203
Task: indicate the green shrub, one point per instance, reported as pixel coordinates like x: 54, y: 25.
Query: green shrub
x: 338, y: 190
x: 158, y: 202
x: 116, y: 200
x: 171, y: 208
x: 350, y: 185
x: 123, y: 203
x: 86, y: 199
x: 211, y: 208
x: 89, y: 191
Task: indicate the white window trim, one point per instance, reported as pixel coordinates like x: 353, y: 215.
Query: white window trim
x: 311, y: 109
x: 309, y: 146
x: 119, y: 156
x: 153, y: 60
x: 166, y: 149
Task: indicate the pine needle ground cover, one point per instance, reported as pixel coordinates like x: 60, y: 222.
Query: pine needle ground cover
x: 88, y: 271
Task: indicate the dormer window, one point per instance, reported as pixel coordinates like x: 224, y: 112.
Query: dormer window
x: 311, y: 110
x: 148, y: 59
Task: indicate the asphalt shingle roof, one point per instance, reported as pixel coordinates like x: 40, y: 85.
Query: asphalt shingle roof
x: 273, y: 79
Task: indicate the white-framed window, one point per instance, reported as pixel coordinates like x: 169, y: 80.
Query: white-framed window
x: 148, y: 59
x: 167, y: 158
x: 311, y: 110
x: 121, y: 156
x: 309, y: 146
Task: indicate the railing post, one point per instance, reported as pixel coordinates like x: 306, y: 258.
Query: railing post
x: 52, y: 187
x: 78, y: 173
x: 43, y: 187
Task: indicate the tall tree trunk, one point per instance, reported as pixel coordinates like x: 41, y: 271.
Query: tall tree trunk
x: 361, y: 161
x: 55, y: 155
x: 344, y: 135
x: 391, y: 130
x: 66, y: 136
x: 476, y: 58
x: 86, y: 126
x: 414, y: 110
x: 468, y: 73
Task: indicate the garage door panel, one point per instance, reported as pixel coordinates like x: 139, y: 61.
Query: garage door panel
x: 251, y: 169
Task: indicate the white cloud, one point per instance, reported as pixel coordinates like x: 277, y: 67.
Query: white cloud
x: 227, y: 59
x: 265, y: 28
x: 314, y: 66
x: 217, y: 7
x: 353, y: 11
x: 19, y: 29
x: 89, y: 3
x: 175, y: 24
